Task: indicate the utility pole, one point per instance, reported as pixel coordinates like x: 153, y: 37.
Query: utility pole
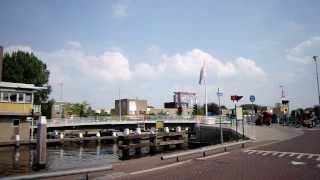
x: 119, y: 105
x: 316, y: 63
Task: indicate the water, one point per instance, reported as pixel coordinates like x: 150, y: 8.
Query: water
x: 20, y: 161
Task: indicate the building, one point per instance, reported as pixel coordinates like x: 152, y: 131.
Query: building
x: 57, y: 110
x: 16, y: 106
x: 130, y: 107
x: 182, y: 100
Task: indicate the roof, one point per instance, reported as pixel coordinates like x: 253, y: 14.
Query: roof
x: 20, y: 86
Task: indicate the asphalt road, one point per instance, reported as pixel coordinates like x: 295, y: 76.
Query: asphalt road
x: 294, y: 159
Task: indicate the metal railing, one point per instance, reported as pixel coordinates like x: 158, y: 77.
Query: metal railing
x: 85, y: 171
x: 203, y: 150
x: 78, y: 121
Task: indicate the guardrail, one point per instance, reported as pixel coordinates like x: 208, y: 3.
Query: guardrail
x: 203, y: 150
x: 85, y: 171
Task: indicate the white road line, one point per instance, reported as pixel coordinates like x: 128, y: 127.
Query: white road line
x: 310, y: 156
x: 213, y: 156
x: 275, y: 153
x: 260, y: 152
x: 297, y: 163
x: 266, y: 153
x: 300, y: 156
x: 251, y: 152
x: 293, y: 154
x: 159, y: 168
x: 282, y: 154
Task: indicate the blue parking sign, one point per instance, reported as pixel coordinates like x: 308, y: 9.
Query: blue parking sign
x: 252, y: 98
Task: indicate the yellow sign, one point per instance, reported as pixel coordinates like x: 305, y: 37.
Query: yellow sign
x: 284, y: 109
x: 159, y: 124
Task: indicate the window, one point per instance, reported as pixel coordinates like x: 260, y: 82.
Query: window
x: 21, y: 97
x: 28, y: 98
x: 13, y: 97
x: 16, y: 122
x: 4, y: 97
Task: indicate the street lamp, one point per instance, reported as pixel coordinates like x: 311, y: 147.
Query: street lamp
x: 315, y: 61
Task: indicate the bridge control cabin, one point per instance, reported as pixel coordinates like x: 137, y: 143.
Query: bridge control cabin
x: 16, y: 106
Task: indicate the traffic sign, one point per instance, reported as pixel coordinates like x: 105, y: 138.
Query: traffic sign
x: 252, y: 98
x: 219, y: 94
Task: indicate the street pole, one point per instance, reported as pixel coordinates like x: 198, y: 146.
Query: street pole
x: 221, y: 133
x: 235, y: 112
x: 315, y: 61
x: 119, y: 105
x: 206, y: 97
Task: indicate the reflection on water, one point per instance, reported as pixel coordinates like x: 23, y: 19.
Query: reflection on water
x: 20, y: 161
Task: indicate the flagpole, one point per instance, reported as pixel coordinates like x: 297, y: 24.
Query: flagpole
x: 206, y: 97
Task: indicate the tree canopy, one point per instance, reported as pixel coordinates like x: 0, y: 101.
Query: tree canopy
x: 25, y: 67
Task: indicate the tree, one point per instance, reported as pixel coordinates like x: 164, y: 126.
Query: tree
x: 24, y: 67
x: 46, y: 108
x: 213, y: 108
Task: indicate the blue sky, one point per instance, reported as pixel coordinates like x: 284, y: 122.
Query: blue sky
x: 156, y: 47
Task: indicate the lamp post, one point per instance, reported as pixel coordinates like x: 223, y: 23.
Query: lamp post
x: 316, y: 63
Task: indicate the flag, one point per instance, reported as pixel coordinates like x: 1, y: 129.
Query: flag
x: 202, y: 74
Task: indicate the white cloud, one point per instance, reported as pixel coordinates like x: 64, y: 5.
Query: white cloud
x: 96, y: 78
x: 304, y: 51
x: 120, y: 9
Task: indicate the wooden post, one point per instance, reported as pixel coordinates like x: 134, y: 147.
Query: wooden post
x: 42, y: 143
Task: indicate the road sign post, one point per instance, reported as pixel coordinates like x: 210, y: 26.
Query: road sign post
x: 219, y: 94
x: 235, y: 99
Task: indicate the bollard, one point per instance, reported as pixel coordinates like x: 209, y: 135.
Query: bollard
x: 166, y: 130
x: 126, y: 132
x: 98, y: 137
x: 61, y: 138
x: 114, y: 134
x: 17, y: 140
x: 41, y: 155
x: 138, y: 131
x: 81, y: 137
x: 178, y: 129
x: 61, y: 135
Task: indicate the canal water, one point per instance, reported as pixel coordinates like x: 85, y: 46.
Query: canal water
x: 20, y: 161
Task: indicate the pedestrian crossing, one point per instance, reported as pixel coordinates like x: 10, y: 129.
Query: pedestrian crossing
x: 280, y: 154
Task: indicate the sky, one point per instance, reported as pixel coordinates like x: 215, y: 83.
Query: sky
x: 149, y: 49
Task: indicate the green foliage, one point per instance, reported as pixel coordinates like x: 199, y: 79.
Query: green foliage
x: 24, y: 67
x: 46, y: 108
x: 82, y: 109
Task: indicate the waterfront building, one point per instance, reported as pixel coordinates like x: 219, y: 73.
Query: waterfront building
x: 183, y: 101
x: 16, y: 108
x: 130, y: 107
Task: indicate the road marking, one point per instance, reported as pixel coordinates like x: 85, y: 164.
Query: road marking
x: 266, y: 153
x: 292, y: 154
x: 251, y: 152
x: 300, y: 156
x: 159, y: 168
x: 297, y: 163
x: 213, y: 156
x: 282, y: 154
x: 260, y: 152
